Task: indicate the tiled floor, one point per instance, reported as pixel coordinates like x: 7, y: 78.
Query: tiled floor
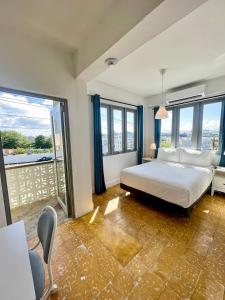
x: 30, y: 213
x: 128, y: 250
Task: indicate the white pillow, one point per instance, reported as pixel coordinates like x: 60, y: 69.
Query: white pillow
x: 196, y: 157
x: 169, y: 154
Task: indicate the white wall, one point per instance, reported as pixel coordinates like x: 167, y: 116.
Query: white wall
x: 123, y: 16
x: 29, y: 66
x: 2, y: 208
x: 214, y: 87
x: 115, y: 163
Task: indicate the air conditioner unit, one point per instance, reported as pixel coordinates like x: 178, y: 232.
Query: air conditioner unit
x: 187, y: 95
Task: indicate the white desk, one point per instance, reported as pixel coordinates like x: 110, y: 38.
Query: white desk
x: 16, y: 282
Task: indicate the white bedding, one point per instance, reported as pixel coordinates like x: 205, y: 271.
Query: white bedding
x: 177, y: 183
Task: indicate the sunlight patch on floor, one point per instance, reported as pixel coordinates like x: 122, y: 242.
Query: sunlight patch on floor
x: 112, y: 205
x: 94, y: 215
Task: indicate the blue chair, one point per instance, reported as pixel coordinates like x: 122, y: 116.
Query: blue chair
x: 46, y: 230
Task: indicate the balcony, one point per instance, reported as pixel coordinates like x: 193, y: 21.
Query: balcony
x: 31, y: 187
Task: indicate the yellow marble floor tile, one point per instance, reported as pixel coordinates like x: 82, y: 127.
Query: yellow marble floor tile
x: 168, y: 294
x: 122, y: 246
x: 123, y: 283
x: 109, y: 293
x: 125, y: 249
x: 150, y: 286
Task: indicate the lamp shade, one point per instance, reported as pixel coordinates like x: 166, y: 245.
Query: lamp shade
x: 153, y: 146
x: 162, y: 113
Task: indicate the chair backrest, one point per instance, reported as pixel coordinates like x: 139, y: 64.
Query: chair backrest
x: 46, y: 228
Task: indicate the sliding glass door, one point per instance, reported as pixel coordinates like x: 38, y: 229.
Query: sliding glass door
x: 35, y: 157
x: 59, y: 153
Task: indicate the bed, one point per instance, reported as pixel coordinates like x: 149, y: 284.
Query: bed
x: 179, y: 183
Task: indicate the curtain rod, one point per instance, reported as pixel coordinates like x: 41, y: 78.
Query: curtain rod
x: 194, y: 101
x: 116, y: 101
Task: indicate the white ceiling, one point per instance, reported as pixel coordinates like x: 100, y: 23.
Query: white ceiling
x: 70, y: 23
x: 65, y: 22
x: 193, y: 49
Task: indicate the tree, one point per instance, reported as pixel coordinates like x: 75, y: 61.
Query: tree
x: 48, y: 143
x: 12, y: 139
x: 42, y: 142
x: 165, y: 144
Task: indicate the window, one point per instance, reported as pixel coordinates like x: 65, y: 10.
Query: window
x: 130, y: 130
x: 105, y: 129
x: 196, y: 126
x: 211, y: 126
x: 185, y: 128
x: 166, y: 131
x: 119, y: 129
x: 118, y: 132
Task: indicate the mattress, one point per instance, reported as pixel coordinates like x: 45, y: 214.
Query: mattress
x: 176, y: 183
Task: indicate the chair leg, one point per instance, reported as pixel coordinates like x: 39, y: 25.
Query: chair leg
x: 52, y: 289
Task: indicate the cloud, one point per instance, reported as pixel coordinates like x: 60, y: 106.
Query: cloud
x: 211, y: 124
x: 25, y: 115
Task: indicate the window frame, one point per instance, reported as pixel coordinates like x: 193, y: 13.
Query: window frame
x: 172, y: 141
x: 220, y: 128
x: 178, y: 124
x: 197, y: 122
x: 135, y: 129
x: 110, y: 128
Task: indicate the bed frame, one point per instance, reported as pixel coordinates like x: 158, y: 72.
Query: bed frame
x: 160, y: 203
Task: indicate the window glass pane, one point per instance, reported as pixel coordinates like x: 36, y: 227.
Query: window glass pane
x: 166, y: 131
x: 211, y: 125
x: 186, y: 126
x: 130, y: 130
x: 104, y: 127
x: 117, y: 130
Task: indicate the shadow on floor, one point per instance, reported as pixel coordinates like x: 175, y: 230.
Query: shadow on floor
x: 30, y: 213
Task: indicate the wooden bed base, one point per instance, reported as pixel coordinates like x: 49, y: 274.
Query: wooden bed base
x: 158, y: 202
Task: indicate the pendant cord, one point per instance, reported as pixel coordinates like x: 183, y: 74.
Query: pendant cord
x: 162, y: 72
x: 162, y: 89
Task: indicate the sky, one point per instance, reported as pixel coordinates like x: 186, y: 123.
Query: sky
x: 117, y: 115
x: 211, y: 118
x: 27, y: 115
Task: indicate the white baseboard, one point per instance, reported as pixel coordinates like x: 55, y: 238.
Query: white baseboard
x: 108, y: 184
x: 112, y: 182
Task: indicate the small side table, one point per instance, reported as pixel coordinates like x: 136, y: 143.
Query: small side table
x: 147, y: 159
x: 218, y: 183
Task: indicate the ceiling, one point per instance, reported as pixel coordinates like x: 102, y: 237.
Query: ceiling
x: 193, y: 49
x: 64, y: 22
x: 69, y: 23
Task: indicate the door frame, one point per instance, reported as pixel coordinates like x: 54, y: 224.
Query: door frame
x: 62, y: 118
x: 4, y: 187
x: 67, y: 157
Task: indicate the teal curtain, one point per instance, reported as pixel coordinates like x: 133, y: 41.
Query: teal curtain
x: 157, y: 131
x: 98, y: 157
x: 222, y: 159
x: 140, y: 133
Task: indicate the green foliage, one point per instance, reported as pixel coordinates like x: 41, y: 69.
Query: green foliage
x: 20, y: 151
x: 12, y: 139
x: 48, y: 143
x: 165, y: 144
x: 42, y: 142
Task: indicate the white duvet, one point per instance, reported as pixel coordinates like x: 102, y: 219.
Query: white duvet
x: 177, y: 183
